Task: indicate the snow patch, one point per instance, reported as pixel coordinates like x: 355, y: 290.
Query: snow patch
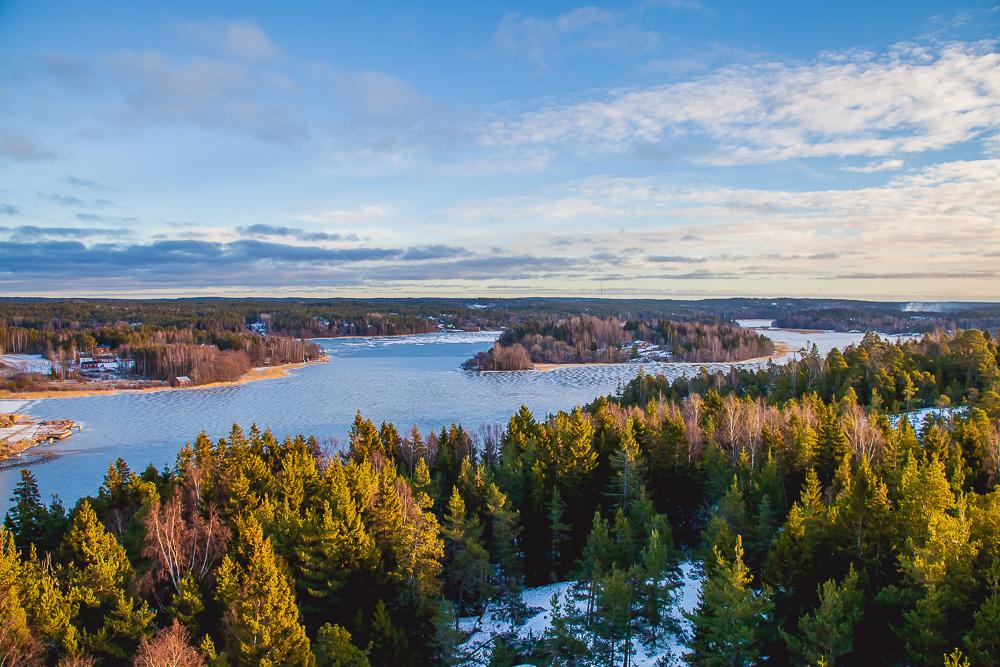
x: 481, y: 631
x: 918, y: 417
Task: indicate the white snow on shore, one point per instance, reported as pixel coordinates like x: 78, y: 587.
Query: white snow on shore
x: 481, y: 631
x: 26, y: 363
x: 8, y: 405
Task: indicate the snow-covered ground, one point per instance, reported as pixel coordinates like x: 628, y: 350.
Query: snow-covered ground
x: 481, y: 631
x: 918, y: 417
x: 8, y: 405
x: 755, y: 324
x: 26, y: 363
x: 416, y: 339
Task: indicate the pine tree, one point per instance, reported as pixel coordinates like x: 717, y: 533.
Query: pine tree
x: 558, y: 532
x: 629, y: 466
x: 505, y: 554
x: 831, y: 444
x: 658, y: 583
x: 26, y: 517
x: 335, y: 649
x: 334, y: 547
x: 261, y: 621
x: 423, y: 487
x: 615, y: 625
x: 562, y: 643
x: 51, y: 609
x: 827, y: 633
x: 597, y: 559
x: 468, y: 560
x: 577, y: 458
x: 982, y: 641
x: 388, y: 644
x: 110, y: 620
x: 18, y: 646
x: 727, y: 625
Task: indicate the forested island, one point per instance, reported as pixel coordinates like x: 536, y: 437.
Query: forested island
x: 827, y: 531
x: 589, y: 339
x: 842, y: 317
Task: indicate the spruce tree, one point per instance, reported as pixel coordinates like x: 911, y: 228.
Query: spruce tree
x: 260, y: 621
x: 727, y: 625
x: 558, y: 532
x: 334, y: 648
x: 629, y: 467
x: 658, y: 581
x: 468, y: 560
x: 18, y: 646
x: 827, y: 632
x: 26, y: 516
x: 99, y: 574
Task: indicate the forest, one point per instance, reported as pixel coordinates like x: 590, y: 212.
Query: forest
x: 826, y: 530
x: 313, y: 318
x: 589, y: 339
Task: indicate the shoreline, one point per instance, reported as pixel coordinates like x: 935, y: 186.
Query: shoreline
x: 255, y: 375
x: 780, y: 350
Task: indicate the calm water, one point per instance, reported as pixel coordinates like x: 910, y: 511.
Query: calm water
x: 412, y: 380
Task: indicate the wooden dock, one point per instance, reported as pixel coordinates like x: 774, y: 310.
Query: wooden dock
x: 21, y: 432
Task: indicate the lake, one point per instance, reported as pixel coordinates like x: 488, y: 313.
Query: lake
x: 410, y: 380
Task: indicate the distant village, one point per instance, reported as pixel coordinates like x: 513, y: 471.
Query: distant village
x: 103, y: 362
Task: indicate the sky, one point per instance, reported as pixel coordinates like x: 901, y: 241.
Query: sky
x: 658, y: 149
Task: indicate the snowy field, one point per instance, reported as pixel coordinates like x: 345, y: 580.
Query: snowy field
x: 26, y: 363
x: 481, y: 631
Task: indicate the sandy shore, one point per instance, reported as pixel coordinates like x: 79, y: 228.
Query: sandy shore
x: 780, y: 350
x: 255, y: 375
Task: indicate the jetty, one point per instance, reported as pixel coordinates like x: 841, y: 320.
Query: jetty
x: 21, y: 432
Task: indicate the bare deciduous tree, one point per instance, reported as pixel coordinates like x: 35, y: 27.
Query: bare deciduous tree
x: 170, y: 647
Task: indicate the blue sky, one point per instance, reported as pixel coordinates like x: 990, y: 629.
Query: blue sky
x: 671, y: 148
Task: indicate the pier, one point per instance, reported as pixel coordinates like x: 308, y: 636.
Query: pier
x: 21, y: 432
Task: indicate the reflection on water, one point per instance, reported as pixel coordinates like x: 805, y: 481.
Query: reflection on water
x: 411, y: 380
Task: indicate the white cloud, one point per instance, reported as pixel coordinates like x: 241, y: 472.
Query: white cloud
x: 936, y: 216
x: 910, y: 99
x: 240, y: 38
x: 373, y: 95
x: 590, y: 28
x: 874, y: 167
x: 365, y: 213
x: 131, y: 88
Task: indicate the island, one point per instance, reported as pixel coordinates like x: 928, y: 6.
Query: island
x: 541, y: 343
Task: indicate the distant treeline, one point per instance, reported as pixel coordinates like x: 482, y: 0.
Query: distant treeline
x: 345, y: 317
x: 859, y: 319
x: 588, y: 339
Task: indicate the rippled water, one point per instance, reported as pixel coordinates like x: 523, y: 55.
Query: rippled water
x: 411, y: 380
